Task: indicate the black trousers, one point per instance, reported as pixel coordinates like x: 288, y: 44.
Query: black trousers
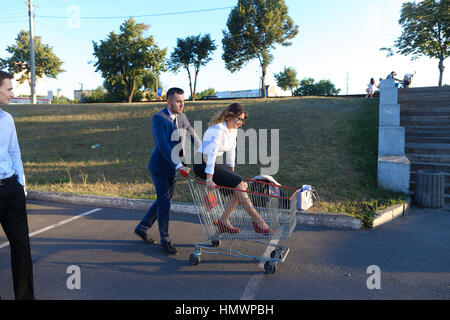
x: 13, y: 218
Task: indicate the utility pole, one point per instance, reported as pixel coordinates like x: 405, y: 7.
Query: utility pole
x: 347, y: 83
x: 32, y: 54
x: 156, y: 81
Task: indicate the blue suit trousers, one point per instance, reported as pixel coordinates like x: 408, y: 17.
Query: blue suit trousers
x: 165, y: 187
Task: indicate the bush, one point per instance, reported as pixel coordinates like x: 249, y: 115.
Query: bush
x: 308, y: 87
x: 207, y: 92
x: 63, y: 100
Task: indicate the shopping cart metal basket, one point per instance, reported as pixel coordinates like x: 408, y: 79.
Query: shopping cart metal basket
x: 276, y: 204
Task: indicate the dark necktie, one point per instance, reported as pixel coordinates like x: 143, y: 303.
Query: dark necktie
x: 179, y: 137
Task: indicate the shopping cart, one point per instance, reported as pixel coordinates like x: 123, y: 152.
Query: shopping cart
x: 276, y: 204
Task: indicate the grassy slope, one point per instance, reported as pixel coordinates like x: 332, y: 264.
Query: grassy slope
x: 328, y: 143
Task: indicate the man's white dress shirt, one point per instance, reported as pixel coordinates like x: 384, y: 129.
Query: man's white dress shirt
x: 10, y: 158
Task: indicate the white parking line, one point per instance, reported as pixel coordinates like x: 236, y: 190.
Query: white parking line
x: 3, y: 245
x: 255, y: 281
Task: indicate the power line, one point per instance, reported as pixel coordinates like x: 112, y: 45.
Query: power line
x: 72, y: 33
x: 139, y: 16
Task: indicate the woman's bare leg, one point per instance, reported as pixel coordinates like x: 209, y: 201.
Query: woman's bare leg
x: 231, y: 204
x: 242, y: 198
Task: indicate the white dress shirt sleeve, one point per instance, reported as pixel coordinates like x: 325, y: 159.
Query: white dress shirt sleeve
x: 16, y: 159
x: 10, y: 157
x: 213, y: 140
x: 231, y: 155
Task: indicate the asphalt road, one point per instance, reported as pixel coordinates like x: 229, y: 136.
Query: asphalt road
x: 411, y: 257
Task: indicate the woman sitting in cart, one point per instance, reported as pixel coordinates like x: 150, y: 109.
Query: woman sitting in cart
x: 221, y: 137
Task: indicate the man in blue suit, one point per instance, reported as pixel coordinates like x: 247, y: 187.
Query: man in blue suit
x: 169, y: 132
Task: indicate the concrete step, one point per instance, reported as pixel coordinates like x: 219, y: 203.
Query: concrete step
x: 427, y: 128
x: 426, y: 100
x: 406, y: 106
x: 427, y: 133
x: 421, y: 147
x: 432, y: 89
x: 445, y: 119
x: 437, y: 158
x: 427, y: 139
x: 425, y: 112
x: 446, y: 176
x: 426, y: 94
x: 441, y: 121
x: 439, y: 166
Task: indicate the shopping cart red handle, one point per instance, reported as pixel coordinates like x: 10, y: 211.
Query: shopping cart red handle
x: 184, y: 173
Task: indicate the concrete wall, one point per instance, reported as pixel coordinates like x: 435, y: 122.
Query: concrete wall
x: 393, y: 165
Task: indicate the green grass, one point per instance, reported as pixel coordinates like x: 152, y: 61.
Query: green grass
x: 330, y: 143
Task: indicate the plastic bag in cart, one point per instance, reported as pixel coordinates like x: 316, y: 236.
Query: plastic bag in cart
x: 210, y: 201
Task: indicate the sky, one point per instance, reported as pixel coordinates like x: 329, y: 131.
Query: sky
x: 337, y: 40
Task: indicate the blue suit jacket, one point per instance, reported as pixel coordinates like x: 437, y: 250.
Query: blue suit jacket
x: 161, y: 162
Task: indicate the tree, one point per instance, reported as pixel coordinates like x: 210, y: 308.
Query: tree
x: 287, y: 79
x: 126, y: 57
x: 117, y: 91
x: 254, y: 28
x: 326, y: 88
x: 93, y: 96
x: 426, y: 31
x: 206, y: 92
x: 308, y: 87
x: 193, y: 51
x: 47, y: 63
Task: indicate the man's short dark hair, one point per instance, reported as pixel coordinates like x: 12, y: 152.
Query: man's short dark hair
x: 171, y: 92
x: 5, y: 75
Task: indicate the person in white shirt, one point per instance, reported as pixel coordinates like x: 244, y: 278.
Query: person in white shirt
x: 371, y: 87
x: 220, y: 137
x: 13, y: 213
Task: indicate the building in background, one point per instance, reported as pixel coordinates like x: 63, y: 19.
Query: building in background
x: 272, y: 91
x: 22, y: 91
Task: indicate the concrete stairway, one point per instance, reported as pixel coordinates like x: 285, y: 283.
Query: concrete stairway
x: 425, y: 114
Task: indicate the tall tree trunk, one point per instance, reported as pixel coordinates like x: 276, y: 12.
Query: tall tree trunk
x: 190, y: 80
x: 197, y: 69
x: 441, y: 71
x: 263, y: 82
x: 131, y: 90
x: 264, y: 61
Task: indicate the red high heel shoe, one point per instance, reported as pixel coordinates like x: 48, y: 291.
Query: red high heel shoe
x: 224, y: 228
x: 258, y: 229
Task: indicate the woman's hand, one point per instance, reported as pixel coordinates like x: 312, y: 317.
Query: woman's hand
x: 210, y: 185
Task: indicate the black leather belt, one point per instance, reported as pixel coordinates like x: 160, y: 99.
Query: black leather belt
x: 8, y: 180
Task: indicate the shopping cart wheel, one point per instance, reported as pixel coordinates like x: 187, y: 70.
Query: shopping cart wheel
x: 270, y: 267
x: 276, y: 253
x: 215, y: 243
x: 194, y: 259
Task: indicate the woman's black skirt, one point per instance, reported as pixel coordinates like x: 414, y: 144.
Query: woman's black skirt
x: 223, y: 176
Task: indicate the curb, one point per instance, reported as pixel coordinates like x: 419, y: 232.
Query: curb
x: 391, y: 213
x: 320, y: 219
x: 329, y: 220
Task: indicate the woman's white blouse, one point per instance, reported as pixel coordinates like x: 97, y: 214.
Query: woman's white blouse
x: 217, y: 140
